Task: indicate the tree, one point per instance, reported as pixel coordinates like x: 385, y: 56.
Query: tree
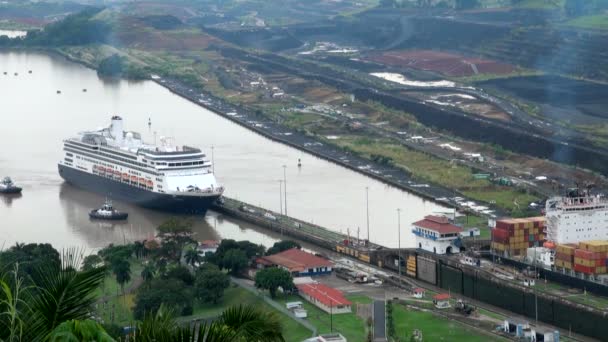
x: 272, y: 278
x: 60, y: 293
x: 210, y: 284
x: 175, y: 234
x: 148, y: 272
x: 236, y: 324
x: 139, y: 249
x: 122, y: 270
x: 192, y: 257
x: 235, y: 260
x: 180, y: 272
x: 82, y: 331
x: 281, y: 246
x: 91, y: 261
x: 171, y: 292
x: 30, y: 257
x: 251, y: 249
x: 110, y: 66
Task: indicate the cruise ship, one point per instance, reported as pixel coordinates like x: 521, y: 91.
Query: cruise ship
x: 120, y: 165
x: 579, y: 216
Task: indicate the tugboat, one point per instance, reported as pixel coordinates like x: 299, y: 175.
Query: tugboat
x: 8, y: 187
x: 107, y: 212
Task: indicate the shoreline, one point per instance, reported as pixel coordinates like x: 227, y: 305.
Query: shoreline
x: 389, y: 175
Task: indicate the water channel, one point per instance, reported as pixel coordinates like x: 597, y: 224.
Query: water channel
x: 34, y: 118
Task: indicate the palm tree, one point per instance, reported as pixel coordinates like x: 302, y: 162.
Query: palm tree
x: 61, y: 293
x: 192, y: 257
x: 238, y: 324
x: 122, y: 271
x: 148, y: 272
x: 139, y: 249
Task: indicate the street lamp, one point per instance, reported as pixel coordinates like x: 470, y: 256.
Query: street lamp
x: 281, y: 196
x: 367, y: 210
x: 399, y: 243
x: 285, y: 186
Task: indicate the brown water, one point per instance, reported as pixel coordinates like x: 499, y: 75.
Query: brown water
x: 34, y: 119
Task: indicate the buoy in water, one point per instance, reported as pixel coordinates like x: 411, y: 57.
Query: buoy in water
x: 84, y: 90
x: 58, y: 91
x: 30, y: 71
x: 149, y: 122
x: 16, y: 73
x: 299, y: 162
x: 5, y: 73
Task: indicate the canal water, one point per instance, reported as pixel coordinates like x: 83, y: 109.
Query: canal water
x: 34, y: 118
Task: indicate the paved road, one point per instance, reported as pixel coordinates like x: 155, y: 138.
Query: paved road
x: 379, y: 320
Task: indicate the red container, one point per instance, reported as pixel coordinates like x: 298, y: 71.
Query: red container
x: 499, y: 239
x: 564, y: 257
x: 600, y: 262
x: 584, y: 269
x: 504, y: 225
x: 500, y: 233
x: 581, y: 253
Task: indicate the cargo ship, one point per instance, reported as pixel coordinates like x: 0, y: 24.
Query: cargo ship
x: 578, y: 216
x: 118, y: 164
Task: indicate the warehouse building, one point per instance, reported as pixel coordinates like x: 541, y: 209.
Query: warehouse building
x: 297, y: 262
x: 325, y: 298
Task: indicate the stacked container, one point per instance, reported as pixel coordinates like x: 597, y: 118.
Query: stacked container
x: 516, y: 235
x: 590, y: 257
x: 564, y: 256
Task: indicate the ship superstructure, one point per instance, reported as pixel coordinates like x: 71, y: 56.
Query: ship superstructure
x: 579, y: 216
x: 120, y: 165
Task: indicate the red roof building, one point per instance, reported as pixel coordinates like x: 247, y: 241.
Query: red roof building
x: 297, y: 262
x: 437, y: 234
x: 441, y: 300
x: 418, y: 292
x: 439, y: 224
x: 326, y: 298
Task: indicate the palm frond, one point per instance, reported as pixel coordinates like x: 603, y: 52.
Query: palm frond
x: 252, y: 324
x: 63, y: 294
x: 80, y: 331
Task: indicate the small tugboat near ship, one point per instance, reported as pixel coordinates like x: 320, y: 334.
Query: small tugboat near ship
x: 107, y: 212
x: 8, y: 187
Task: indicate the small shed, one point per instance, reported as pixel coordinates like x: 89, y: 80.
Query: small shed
x: 418, y: 292
x: 442, y: 301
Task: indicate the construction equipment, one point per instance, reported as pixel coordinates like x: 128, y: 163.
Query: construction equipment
x: 464, y: 308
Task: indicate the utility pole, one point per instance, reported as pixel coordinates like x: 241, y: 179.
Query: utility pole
x: 281, y: 196
x: 367, y: 210
x: 399, y: 239
x: 331, y: 316
x: 285, y: 186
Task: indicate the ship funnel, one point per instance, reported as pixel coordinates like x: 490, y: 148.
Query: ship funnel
x: 116, y: 128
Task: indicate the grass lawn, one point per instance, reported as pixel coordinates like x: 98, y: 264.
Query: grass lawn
x: 116, y: 303
x: 434, y: 328
x: 471, y: 221
x: 432, y: 169
x: 292, y: 330
x: 348, y: 324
